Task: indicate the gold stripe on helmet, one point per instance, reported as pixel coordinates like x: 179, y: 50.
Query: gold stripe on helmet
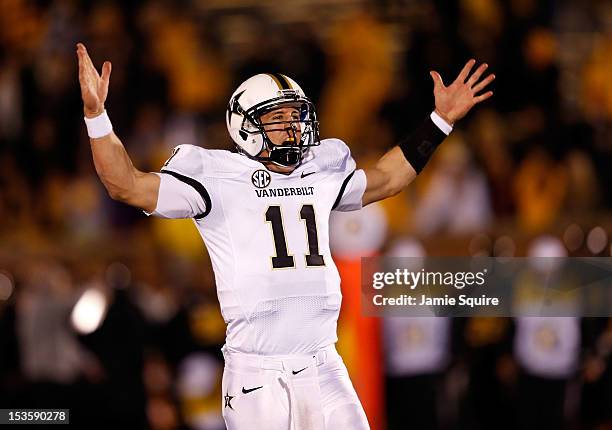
x: 281, y: 80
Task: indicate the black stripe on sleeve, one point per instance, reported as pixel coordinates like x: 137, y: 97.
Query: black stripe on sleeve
x: 283, y: 81
x: 342, y: 188
x: 197, y: 186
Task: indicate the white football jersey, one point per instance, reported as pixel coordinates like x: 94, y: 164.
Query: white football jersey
x: 267, y: 235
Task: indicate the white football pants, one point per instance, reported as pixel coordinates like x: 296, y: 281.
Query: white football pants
x: 289, y: 392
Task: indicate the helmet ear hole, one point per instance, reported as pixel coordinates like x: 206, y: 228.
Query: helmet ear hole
x: 243, y: 134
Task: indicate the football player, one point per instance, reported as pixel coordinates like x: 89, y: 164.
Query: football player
x: 263, y: 214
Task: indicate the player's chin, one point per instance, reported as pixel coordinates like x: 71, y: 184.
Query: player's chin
x: 280, y: 169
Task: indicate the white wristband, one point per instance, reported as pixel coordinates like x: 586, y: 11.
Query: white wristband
x: 99, y: 126
x: 440, y: 123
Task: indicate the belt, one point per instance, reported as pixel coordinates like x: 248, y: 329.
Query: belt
x: 278, y: 362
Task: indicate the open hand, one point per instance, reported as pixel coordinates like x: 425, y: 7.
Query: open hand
x: 94, y: 88
x: 456, y: 100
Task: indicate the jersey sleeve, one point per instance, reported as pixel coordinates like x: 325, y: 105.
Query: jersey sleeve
x: 351, y: 192
x: 181, y: 193
x: 353, y: 180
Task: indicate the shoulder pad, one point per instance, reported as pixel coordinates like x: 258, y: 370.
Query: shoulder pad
x: 185, y: 159
x: 195, y: 161
x: 333, y: 154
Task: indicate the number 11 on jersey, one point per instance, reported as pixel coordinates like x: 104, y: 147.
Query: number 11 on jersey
x: 282, y: 259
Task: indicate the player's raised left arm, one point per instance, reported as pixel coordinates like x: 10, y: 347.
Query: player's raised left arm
x: 399, y: 166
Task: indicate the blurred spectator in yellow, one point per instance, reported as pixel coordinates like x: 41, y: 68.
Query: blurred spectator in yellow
x: 540, y: 187
x: 597, y: 86
x: 21, y: 27
x: 583, y: 194
x: 488, y: 135
x: 361, y: 66
x: 197, y: 75
x: 481, y: 24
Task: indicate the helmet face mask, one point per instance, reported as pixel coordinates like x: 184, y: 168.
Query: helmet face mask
x: 262, y: 94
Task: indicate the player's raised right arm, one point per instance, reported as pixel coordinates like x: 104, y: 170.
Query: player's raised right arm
x: 120, y: 178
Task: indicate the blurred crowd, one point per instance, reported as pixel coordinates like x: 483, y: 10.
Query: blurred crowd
x: 535, y: 159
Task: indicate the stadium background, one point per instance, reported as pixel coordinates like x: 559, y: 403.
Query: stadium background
x: 528, y: 170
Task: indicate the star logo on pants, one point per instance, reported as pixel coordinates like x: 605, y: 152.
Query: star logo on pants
x: 228, y: 400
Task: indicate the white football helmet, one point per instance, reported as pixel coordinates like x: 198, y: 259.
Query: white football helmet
x: 261, y: 94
